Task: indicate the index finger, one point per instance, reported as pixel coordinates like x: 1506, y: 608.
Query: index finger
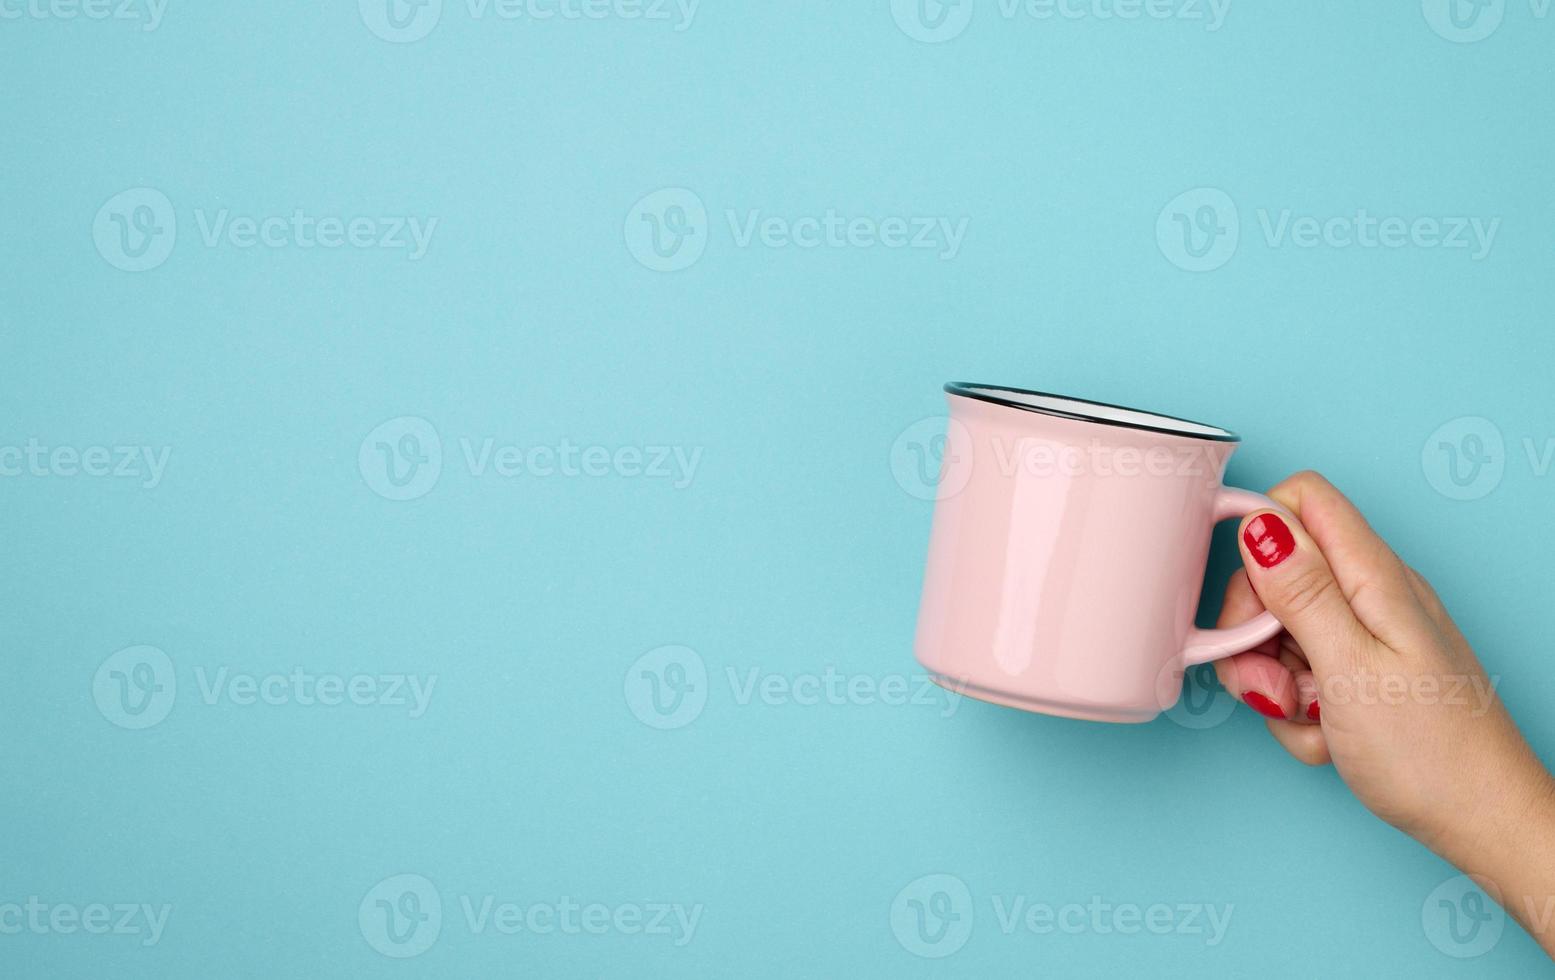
x: 1258, y: 672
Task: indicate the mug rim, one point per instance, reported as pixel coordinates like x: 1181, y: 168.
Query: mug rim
x: 989, y: 393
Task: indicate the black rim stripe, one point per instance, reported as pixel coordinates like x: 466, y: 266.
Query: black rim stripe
x: 985, y: 393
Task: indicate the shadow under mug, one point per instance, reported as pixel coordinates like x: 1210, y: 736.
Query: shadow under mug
x: 1068, y: 552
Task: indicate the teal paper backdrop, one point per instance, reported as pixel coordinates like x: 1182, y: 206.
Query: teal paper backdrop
x: 464, y: 471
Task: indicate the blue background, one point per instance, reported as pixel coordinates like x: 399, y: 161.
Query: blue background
x: 795, y: 548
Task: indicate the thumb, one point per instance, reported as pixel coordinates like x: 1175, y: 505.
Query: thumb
x: 1294, y: 581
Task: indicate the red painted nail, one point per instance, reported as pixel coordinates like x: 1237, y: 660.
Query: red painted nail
x: 1314, y: 712
x: 1263, y: 705
x: 1269, y: 540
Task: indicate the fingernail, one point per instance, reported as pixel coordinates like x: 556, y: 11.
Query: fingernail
x: 1263, y: 705
x: 1269, y: 540
x: 1314, y: 712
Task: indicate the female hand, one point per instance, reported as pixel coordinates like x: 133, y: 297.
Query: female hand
x: 1372, y: 675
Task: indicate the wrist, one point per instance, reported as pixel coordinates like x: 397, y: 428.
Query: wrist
x: 1504, y: 823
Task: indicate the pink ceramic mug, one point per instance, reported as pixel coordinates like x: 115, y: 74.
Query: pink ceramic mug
x: 1068, y: 554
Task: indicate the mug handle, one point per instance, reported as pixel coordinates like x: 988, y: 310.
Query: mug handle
x: 1203, y: 645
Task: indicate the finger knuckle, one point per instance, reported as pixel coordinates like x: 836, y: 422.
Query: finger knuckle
x: 1421, y: 585
x: 1305, y: 480
x: 1307, y: 590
